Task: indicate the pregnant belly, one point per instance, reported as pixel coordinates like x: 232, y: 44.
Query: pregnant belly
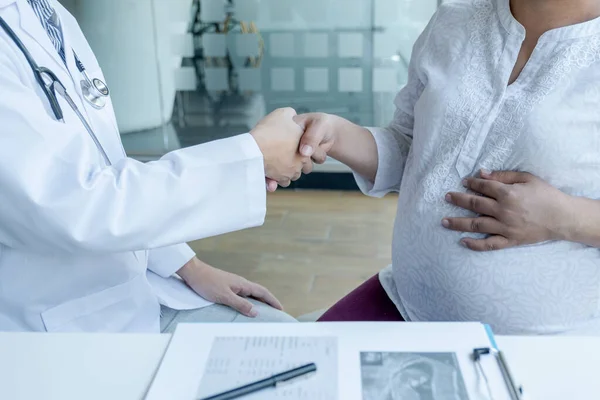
x: 545, y: 288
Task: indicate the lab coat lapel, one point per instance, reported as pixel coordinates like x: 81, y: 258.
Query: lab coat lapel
x: 72, y: 68
x: 30, y: 23
x: 102, y: 121
x: 6, y: 3
x: 69, y: 55
x: 23, y: 21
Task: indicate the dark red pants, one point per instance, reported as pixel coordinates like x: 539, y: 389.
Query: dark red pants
x: 368, y: 302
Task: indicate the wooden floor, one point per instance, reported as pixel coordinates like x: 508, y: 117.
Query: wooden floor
x: 314, y: 247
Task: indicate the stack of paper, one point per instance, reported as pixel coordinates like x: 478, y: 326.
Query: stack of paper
x: 355, y: 361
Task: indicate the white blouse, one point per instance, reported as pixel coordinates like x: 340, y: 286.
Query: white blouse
x: 457, y: 115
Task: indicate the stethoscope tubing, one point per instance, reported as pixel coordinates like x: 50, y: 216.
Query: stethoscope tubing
x: 37, y: 71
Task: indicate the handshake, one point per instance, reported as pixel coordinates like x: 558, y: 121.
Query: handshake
x: 290, y: 143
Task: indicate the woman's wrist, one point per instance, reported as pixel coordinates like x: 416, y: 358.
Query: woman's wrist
x: 335, y: 125
x: 564, y: 222
x: 579, y: 221
x: 355, y: 146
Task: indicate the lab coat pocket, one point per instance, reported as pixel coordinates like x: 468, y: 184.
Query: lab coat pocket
x: 112, y: 310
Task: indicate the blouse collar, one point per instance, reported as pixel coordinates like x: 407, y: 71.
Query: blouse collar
x: 575, y: 31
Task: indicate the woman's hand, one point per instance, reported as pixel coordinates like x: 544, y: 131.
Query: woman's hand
x: 319, y: 135
x: 515, y: 208
x: 329, y: 135
x: 225, y: 288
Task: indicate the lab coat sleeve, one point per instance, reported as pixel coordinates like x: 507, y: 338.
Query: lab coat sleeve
x: 394, y: 141
x: 165, y: 261
x: 56, y: 197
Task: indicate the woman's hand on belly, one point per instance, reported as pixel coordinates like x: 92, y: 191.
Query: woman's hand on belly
x: 515, y: 208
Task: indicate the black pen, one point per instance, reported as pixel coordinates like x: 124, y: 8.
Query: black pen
x: 272, y: 382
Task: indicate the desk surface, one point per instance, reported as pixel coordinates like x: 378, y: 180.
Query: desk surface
x: 97, y: 366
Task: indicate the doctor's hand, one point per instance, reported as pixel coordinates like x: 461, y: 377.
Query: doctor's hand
x: 225, y: 288
x: 277, y: 136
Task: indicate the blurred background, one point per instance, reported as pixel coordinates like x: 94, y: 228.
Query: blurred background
x: 184, y: 72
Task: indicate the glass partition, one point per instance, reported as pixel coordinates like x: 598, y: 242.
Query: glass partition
x: 220, y: 65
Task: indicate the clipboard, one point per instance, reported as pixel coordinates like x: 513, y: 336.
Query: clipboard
x: 515, y: 390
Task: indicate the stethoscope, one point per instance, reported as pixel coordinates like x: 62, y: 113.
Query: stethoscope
x: 94, y: 90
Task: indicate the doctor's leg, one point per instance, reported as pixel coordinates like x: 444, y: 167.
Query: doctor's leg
x: 219, y: 313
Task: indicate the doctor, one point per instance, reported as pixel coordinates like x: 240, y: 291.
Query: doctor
x: 90, y: 240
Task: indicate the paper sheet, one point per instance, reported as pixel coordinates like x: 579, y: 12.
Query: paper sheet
x: 237, y: 361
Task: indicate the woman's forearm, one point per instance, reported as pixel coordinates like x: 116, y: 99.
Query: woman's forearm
x: 582, y: 224
x: 355, y: 147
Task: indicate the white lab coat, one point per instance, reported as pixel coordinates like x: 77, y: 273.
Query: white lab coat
x: 86, y: 247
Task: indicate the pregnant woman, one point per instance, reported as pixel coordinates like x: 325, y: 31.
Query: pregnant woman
x: 495, y: 152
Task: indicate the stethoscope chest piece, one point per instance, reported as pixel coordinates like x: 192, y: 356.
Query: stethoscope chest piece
x: 95, y: 92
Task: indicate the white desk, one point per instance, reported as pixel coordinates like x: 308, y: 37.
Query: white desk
x: 96, y: 366
x: 78, y: 366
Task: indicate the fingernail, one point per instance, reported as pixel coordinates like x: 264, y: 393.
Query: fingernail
x: 463, y: 243
x: 446, y: 223
x: 465, y: 183
x: 253, y: 313
x: 485, y: 172
x: 448, y: 198
x: 307, y: 150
